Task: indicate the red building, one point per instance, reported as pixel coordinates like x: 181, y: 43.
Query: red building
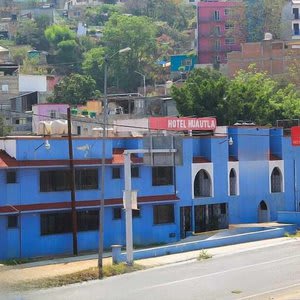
x: 219, y: 30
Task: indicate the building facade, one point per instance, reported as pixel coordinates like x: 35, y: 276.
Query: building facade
x: 208, y: 184
x: 271, y: 56
x: 218, y: 30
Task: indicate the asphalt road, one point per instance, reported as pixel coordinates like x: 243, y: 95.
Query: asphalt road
x: 267, y: 273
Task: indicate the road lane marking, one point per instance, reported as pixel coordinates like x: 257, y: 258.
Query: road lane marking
x: 271, y: 291
x: 218, y: 273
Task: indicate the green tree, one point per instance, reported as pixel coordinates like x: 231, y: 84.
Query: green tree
x: 27, y: 33
x: 58, y: 33
x: 74, y: 89
x: 263, y: 16
x: 19, y: 54
x: 93, y: 65
x: 99, y: 15
x: 175, y: 13
x: 4, y: 129
x: 202, y: 94
x: 139, y: 34
x: 254, y: 96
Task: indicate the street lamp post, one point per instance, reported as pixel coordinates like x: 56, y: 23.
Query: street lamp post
x: 104, y: 135
x: 144, y: 81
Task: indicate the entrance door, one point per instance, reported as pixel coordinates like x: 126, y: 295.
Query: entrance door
x: 263, y: 212
x: 185, y: 220
x: 200, y: 218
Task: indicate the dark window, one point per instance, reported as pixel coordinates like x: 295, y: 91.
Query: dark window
x: 223, y: 208
x: 135, y: 172
x: 216, y: 15
x: 117, y: 213
x: 162, y: 176
x: 86, y: 179
x: 79, y: 130
x: 296, y: 29
x: 263, y: 205
x: 56, y: 223
x: 202, y: 184
x: 232, y: 183
x: 88, y: 220
x: 136, y: 213
x: 296, y: 13
x: 12, y: 221
x: 11, y: 177
x: 229, y: 41
x: 163, y: 214
x: 229, y: 26
x: 52, y: 181
x: 116, y: 173
x: 276, y: 181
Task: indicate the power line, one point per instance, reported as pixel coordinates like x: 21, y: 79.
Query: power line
x: 96, y: 122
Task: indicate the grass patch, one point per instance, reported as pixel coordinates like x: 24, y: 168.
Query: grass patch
x: 13, y: 262
x: 85, y: 275
x: 204, y: 255
x: 292, y: 235
x: 236, y: 292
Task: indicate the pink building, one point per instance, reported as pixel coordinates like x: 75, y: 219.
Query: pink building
x: 47, y: 112
x: 219, y: 31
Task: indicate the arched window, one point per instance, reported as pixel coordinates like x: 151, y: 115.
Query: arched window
x: 263, y: 205
x: 202, y: 184
x: 232, y: 183
x: 276, y: 181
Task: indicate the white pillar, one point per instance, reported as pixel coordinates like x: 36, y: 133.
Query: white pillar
x: 128, y: 209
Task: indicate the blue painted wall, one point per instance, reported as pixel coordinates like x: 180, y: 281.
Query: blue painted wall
x: 251, y: 147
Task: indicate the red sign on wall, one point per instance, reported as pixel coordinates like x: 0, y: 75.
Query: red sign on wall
x: 180, y: 124
x: 295, y: 133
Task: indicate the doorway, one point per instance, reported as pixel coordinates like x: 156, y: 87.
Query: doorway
x: 263, y: 212
x: 185, y: 220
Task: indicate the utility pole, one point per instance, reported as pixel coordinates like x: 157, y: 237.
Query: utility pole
x: 130, y: 196
x: 72, y: 184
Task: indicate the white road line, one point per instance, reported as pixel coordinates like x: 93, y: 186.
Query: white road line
x: 218, y: 273
x: 271, y: 291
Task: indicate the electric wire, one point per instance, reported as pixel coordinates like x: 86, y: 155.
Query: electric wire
x: 97, y: 122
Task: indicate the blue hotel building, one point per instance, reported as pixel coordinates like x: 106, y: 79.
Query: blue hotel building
x: 208, y: 184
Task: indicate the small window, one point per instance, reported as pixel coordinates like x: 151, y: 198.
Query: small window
x: 12, y: 221
x: 117, y: 213
x: 217, y: 30
x: 217, y: 45
x: 226, y: 11
x: 135, y: 172
x: 136, y: 213
x: 78, y: 130
x: 229, y: 41
x: 52, y: 114
x: 229, y: 26
x: 5, y: 88
x: 216, y: 15
x: 186, y: 62
x: 163, y: 214
x: 116, y: 173
x: 11, y: 177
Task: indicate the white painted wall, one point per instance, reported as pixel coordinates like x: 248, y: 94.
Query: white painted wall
x: 280, y: 165
x: 208, y: 167
x: 236, y: 166
x: 32, y: 83
x: 9, y: 146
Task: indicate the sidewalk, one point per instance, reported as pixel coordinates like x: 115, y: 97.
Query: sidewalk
x: 62, y: 266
